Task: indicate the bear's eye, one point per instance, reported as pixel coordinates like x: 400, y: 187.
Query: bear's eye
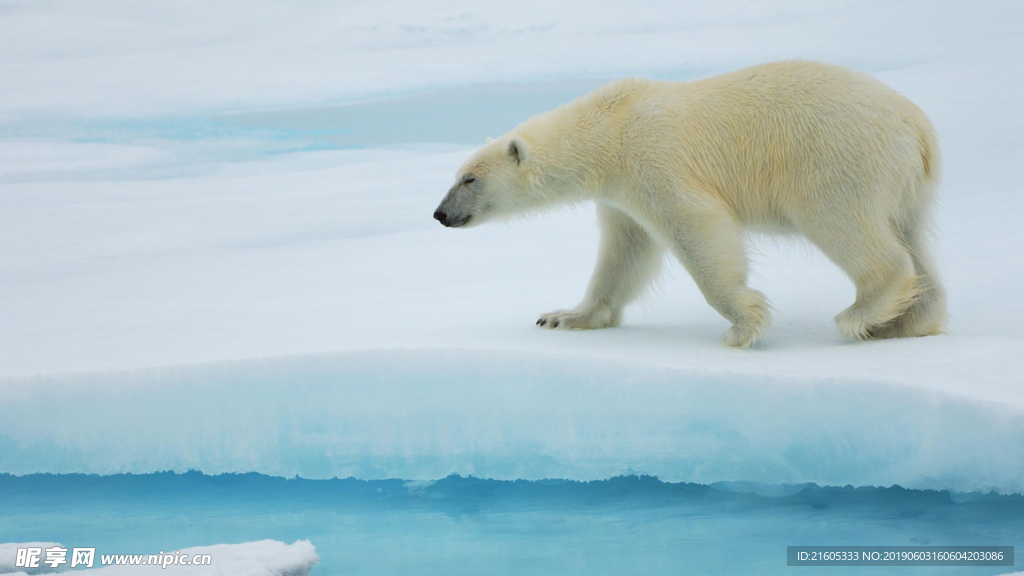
x: 469, y: 180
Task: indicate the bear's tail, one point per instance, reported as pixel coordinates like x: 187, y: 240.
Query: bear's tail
x: 931, y: 158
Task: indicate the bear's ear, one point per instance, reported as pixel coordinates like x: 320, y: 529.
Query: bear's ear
x: 516, y: 150
x: 489, y: 140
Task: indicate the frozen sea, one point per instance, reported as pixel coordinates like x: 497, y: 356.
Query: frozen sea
x: 218, y: 270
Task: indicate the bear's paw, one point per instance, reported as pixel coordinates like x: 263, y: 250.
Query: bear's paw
x: 580, y: 318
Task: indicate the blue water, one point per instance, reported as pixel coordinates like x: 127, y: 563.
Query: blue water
x: 459, y: 525
x: 464, y: 115
x: 461, y: 115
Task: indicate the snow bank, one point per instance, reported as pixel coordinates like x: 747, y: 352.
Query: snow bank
x: 9, y: 559
x: 507, y: 415
x: 262, y: 558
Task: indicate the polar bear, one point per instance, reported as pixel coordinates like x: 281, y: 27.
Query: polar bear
x: 783, y: 147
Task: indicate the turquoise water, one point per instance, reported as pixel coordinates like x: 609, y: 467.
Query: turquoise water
x: 465, y: 115
x: 460, y: 525
x: 462, y: 115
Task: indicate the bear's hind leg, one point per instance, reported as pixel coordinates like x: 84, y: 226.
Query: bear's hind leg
x: 627, y: 261
x: 926, y: 315
x: 881, y: 268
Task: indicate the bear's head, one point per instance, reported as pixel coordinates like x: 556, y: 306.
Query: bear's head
x: 501, y: 179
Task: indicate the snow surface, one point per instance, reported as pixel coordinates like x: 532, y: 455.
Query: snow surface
x: 262, y: 558
x: 9, y: 558
x: 189, y: 183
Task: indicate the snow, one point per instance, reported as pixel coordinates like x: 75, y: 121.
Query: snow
x: 9, y: 558
x: 262, y: 558
x: 246, y: 55
x: 252, y: 187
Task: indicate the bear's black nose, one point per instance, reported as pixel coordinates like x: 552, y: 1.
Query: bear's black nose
x: 441, y: 217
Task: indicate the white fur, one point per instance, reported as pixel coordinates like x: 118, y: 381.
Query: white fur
x: 791, y: 147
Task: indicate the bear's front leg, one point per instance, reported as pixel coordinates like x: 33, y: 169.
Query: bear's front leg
x: 627, y: 261
x: 709, y: 243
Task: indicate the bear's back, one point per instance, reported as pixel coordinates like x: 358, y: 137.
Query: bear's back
x: 780, y: 129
